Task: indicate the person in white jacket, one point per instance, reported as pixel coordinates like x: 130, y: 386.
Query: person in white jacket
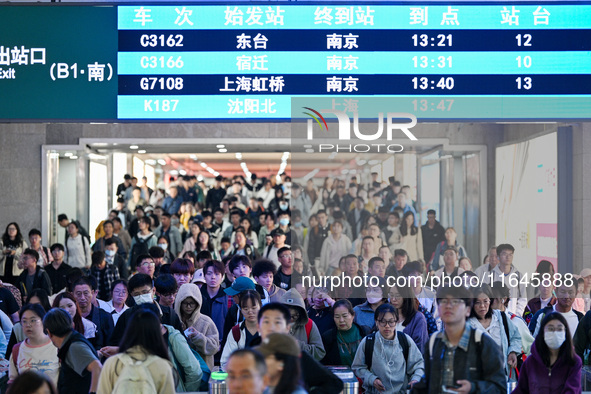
x: 335, y: 246
x: 243, y: 333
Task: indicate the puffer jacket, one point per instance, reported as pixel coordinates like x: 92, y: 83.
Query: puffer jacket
x: 312, y: 345
x: 206, y: 341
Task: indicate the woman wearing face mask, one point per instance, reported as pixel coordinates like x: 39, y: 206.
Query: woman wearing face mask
x: 341, y: 342
x: 376, y: 296
x: 553, y: 366
x: 163, y: 243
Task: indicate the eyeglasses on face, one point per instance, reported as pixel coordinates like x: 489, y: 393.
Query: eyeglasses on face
x: 385, y: 323
x: 452, y: 302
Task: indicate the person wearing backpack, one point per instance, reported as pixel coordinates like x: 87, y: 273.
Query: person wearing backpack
x: 142, y: 365
x: 302, y: 327
x: 80, y: 366
x: 142, y: 241
x: 379, y: 363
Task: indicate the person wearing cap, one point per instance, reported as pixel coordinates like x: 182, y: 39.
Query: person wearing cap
x: 199, y: 329
x: 234, y: 315
x: 278, y: 243
x: 302, y: 327
x: 282, y: 356
x: 450, y: 261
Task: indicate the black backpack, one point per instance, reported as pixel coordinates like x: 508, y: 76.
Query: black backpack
x: 140, y: 247
x: 370, y: 342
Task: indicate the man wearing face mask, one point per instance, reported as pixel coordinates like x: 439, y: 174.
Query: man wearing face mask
x: 141, y: 288
x: 291, y: 238
x: 167, y: 229
x: 114, y: 258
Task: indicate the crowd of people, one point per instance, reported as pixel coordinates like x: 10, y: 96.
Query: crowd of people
x: 185, y: 280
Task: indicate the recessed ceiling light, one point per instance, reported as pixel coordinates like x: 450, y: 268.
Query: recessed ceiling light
x: 68, y: 154
x: 220, y: 146
x: 73, y: 157
x: 141, y: 151
x: 133, y: 147
x: 162, y: 162
x: 223, y: 150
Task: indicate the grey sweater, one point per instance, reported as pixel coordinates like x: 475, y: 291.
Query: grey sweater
x: 395, y: 377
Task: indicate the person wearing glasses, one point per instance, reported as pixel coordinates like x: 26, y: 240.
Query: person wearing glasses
x: 388, y: 371
x: 553, y: 366
x: 460, y: 359
x: 496, y: 324
x: 36, y: 352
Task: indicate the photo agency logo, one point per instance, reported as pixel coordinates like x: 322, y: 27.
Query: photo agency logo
x: 398, y: 124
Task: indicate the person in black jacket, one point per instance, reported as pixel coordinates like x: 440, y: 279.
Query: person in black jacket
x: 141, y: 288
x: 33, y: 276
x: 275, y: 318
x: 433, y: 234
x: 346, y: 336
x: 85, y: 292
x: 472, y: 359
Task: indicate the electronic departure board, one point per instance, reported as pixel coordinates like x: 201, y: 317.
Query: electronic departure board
x: 252, y: 62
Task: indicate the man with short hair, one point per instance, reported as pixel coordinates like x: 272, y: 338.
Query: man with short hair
x: 33, y: 276
x: 460, y: 358
x: 141, y: 288
x: 493, y: 261
x: 402, y: 203
x: 57, y: 270
x: 85, y: 292
x: 276, y: 318
x: 122, y: 187
x: 80, y: 365
x: 167, y: 230
x: 283, y: 277
x: 215, y: 301
x: 145, y: 265
x: 506, y: 272
x: 278, y: 243
x: 433, y: 233
x: 235, y: 218
x: 101, y: 243
x: 565, y: 296
x: 63, y: 221
x: 215, y: 194
x: 136, y: 199
x: 450, y: 264
x: 264, y: 272
x: 400, y: 259
x: 246, y: 371
x: 35, y: 243
x: 114, y: 258
x: 266, y: 230
x: 172, y: 202
x: 358, y: 216
x: 376, y: 267
x: 317, y: 235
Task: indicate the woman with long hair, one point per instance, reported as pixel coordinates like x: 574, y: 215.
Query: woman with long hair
x: 12, y: 246
x: 36, y: 352
x: 205, y: 243
x: 412, y: 237
x: 142, y: 343
x: 251, y: 235
x: 553, y: 366
x: 412, y: 322
x: 282, y: 356
x: 491, y: 321
x: 193, y: 239
x: 67, y: 302
x: 244, y: 333
x: 31, y: 382
x: 241, y: 246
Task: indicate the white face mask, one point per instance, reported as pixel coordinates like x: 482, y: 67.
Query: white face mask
x: 110, y: 253
x: 554, y: 340
x: 283, y: 207
x: 284, y: 222
x: 143, y: 299
x: 163, y: 246
x: 373, y: 300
